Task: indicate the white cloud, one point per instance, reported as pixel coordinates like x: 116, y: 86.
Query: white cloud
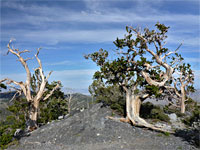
x: 73, y: 73
x: 65, y: 62
x: 43, y: 16
x: 185, y: 39
x: 54, y: 36
x: 100, y: 14
x: 189, y: 60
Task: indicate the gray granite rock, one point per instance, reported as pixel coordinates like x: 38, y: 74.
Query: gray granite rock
x: 91, y: 130
x: 173, y: 117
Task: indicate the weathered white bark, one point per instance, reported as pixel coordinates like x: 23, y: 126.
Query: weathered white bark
x: 182, y: 99
x: 134, y: 115
x: 33, y: 112
x: 133, y: 104
x: 165, y: 77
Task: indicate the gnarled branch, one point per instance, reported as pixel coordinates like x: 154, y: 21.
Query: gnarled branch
x: 51, y: 92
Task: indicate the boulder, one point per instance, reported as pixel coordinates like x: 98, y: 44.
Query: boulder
x: 173, y: 117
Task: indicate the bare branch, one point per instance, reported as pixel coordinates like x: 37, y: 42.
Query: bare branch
x: 14, y: 88
x: 176, y: 90
x: 49, y: 75
x: 2, y: 80
x: 55, y: 88
x: 27, y: 59
x: 168, y: 54
x: 156, y: 46
x: 27, y: 89
x: 24, y: 51
x: 172, y: 52
x: 150, y: 67
x: 17, y: 92
x: 9, y: 81
x: 20, y: 84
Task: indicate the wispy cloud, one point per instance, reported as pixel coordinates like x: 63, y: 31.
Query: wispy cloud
x: 65, y: 62
x: 52, y: 37
x: 195, y: 60
x: 185, y: 39
x: 50, y: 26
x: 42, y: 14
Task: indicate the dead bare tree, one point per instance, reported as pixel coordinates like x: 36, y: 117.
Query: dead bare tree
x: 70, y: 95
x: 25, y: 87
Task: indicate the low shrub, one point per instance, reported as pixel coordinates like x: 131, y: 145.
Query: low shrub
x: 192, y: 112
x: 195, y: 117
x: 150, y: 111
x: 111, y: 96
x: 172, y: 109
x: 49, y: 110
x: 8, y: 128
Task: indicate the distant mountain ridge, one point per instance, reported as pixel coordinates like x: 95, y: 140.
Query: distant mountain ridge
x: 8, y: 95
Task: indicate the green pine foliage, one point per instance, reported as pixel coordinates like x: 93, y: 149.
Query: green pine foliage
x: 108, y: 95
x: 2, y: 86
x: 49, y: 110
x: 13, y: 122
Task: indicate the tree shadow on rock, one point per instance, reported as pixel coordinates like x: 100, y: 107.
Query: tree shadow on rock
x: 190, y: 135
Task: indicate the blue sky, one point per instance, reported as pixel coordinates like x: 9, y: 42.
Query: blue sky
x: 66, y: 30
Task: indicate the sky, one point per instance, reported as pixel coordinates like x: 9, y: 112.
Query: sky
x: 66, y: 30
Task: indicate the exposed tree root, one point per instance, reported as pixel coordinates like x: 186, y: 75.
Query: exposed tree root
x: 126, y: 120
x: 140, y: 123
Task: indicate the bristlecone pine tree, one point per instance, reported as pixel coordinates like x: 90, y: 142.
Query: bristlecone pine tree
x: 143, y: 68
x: 183, y: 81
x: 25, y: 87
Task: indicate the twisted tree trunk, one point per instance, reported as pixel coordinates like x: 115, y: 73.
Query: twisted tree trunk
x: 133, y: 104
x: 33, y: 114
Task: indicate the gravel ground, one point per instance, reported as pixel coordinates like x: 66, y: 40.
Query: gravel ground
x: 90, y: 130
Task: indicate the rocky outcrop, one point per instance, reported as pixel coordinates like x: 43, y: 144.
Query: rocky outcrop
x: 91, y: 130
